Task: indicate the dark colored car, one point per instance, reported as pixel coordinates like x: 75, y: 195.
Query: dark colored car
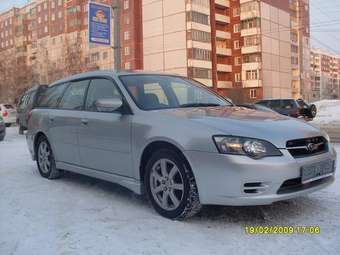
x: 296, y: 108
x: 2, y: 129
x: 257, y: 107
x: 27, y: 102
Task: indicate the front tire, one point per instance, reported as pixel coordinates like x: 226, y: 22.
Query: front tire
x: 45, y: 160
x: 171, y: 186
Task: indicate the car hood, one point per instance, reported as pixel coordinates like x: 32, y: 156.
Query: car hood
x: 238, y: 121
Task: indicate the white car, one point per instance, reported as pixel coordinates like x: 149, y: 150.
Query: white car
x: 8, y: 113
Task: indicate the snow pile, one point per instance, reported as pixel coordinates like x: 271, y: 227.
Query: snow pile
x: 328, y: 112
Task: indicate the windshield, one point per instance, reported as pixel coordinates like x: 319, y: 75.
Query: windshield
x: 151, y: 92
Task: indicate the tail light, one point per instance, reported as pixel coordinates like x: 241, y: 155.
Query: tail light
x: 5, y: 114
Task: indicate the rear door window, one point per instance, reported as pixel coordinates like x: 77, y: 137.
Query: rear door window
x: 288, y: 104
x: 74, y: 96
x: 52, y: 96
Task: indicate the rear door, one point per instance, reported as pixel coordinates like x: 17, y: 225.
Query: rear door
x: 105, y: 137
x: 65, y: 121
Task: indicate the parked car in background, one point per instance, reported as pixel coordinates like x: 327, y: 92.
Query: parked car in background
x: 2, y: 129
x: 26, y: 103
x: 257, y: 107
x: 296, y: 108
x: 173, y: 139
x: 8, y: 113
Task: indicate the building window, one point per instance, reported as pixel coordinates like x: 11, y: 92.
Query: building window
x: 252, y: 74
x: 199, y: 73
x: 127, y: 65
x: 199, y: 36
x: 126, y: 4
x: 237, y: 61
x: 198, y: 17
x: 236, y: 12
x: 251, y: 40
x: 60, y: 2
x: 237, y: 28
x: 127, y: 51
x: 53, y: 17
x: 253, y: 93
x: 201, y: 54
x: 60, y: 14
x: 236, y: 45
x: 127, y: 20
x: 45, y: 29
x: 53, y: 5
x: 39, y: 8
x: 126, y: 35
x: 237, y: 77
x: 45, y: 5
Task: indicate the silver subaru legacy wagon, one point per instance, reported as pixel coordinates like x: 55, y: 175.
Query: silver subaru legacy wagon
x: 176, y: 141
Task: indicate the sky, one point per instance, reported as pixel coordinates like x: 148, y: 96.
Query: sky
x: 325, y: 21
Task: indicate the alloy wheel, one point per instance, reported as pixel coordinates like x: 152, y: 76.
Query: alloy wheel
x: 166, y: 184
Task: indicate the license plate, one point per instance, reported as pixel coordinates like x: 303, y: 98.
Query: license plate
x: 317, y: 171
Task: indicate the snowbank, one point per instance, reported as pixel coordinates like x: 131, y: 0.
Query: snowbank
x: 328, y: 112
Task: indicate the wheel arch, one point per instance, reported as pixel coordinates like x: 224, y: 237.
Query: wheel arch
x: 37, y: 136
x: 154, y: 146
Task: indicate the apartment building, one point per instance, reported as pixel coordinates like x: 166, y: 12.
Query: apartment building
x: 325, y: 75
x: 300, y: 49
x: 240, y: 48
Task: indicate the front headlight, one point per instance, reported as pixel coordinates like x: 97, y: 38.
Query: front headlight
x: 251, y: 147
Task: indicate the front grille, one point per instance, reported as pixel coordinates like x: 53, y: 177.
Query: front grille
x: 307, y: 147
x: 295, y: 185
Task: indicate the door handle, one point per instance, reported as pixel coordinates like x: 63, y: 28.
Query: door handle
x: 51, y: 119
x: 84, y: 121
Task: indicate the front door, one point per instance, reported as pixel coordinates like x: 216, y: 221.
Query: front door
x: 104, y: 137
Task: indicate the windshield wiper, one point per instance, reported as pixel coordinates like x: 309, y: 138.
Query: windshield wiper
x: 198, y: 105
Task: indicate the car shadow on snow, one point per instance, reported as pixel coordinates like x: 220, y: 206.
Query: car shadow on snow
x: 278, y: 213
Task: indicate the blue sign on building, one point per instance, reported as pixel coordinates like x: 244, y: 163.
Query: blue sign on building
x: 99, y: 24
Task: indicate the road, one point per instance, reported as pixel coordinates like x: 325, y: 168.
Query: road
x: 80, y: 215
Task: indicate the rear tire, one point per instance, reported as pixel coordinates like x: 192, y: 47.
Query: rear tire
x: 171, y: 186
x: 21, y: 130
x: 45, y: 160
x: 312, y: 111
x: 8, y: 124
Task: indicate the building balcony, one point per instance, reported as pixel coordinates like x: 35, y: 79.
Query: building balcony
x: 198, y: 8
x: 250, y: 31
x: 251, y: 66
x: 224, y: 68
x: 223, y: 35
x: 223, y: 3
x: 250, y: 15
x: 206, y: 82
x: 224, y: 84
x: 222, y: 18
x: 199, y: 63
x: 251, y: 49
x: 252, y: 83
x: 245, y: 1
x: 223, y: 51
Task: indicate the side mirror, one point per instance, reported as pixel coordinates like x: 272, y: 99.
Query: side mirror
x: 108, y: 104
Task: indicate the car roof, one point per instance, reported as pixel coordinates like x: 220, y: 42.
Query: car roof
x: 108, y: 73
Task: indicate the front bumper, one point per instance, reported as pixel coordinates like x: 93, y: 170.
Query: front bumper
x: 231, y: 179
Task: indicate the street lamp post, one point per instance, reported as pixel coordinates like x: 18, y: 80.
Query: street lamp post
x: 116, y: 7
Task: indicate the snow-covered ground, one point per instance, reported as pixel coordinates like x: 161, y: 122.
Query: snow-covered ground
x: 80, y: 215
x: 328, y: 112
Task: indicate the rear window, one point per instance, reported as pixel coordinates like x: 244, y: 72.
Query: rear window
x: 8, y: 106
x: 51, y: 97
